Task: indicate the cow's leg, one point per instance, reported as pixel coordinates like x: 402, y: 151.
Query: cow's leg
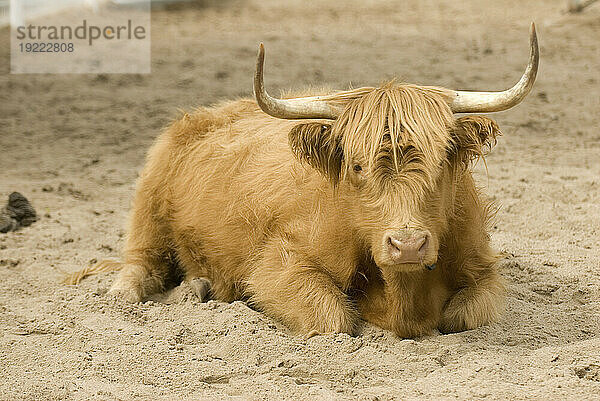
x: 200, y: 287
x: 479, y: 301
x: 147, y: 263
x: 301, y: 294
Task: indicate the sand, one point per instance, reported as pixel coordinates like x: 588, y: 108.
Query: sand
x: 74, y: 144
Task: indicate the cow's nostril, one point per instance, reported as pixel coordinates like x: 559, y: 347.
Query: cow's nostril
x: 395, y: 244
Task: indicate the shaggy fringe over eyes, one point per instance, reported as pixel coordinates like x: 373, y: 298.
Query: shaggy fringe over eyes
x: 395, y: 129
x: 411, y: 115
x: 314, y: 144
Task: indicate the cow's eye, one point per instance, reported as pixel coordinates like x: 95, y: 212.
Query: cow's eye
x: 357, y: 168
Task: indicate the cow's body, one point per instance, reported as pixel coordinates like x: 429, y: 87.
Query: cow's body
x: 223, y: 197
x: 368, y: 210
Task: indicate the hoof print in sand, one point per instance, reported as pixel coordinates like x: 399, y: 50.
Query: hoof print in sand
x: 17, y: 213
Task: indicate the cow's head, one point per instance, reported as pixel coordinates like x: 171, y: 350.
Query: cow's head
x: 396, y: 151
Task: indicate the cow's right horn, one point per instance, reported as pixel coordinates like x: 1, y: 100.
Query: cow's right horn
x: 302, y: 107
x: 486, y: 102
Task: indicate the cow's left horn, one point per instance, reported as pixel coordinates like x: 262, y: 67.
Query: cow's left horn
x: 302, y: 107
x: 485, y: 102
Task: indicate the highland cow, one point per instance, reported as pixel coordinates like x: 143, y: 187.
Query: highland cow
x: 367, y: 211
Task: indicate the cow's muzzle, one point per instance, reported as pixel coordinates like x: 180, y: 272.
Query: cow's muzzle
x: 409, y: 246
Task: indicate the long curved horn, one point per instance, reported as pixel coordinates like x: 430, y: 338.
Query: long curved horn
x: 302, y: 107
x: 485, y: 102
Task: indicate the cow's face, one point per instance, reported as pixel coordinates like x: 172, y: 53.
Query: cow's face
x: 395, y: 154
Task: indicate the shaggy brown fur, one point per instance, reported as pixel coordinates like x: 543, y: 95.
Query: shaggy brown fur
x: 292, y: 216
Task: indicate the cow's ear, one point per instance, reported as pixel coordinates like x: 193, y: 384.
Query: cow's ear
x: 473, y: 137
x: 315, y: 144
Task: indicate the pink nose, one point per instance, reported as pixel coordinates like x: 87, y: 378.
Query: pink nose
x: 408, y: 246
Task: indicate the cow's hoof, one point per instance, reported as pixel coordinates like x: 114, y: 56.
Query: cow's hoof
x: 200, y: 288
x: 189, y: 290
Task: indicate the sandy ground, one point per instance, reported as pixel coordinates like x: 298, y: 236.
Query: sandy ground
x: 73, y: 144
